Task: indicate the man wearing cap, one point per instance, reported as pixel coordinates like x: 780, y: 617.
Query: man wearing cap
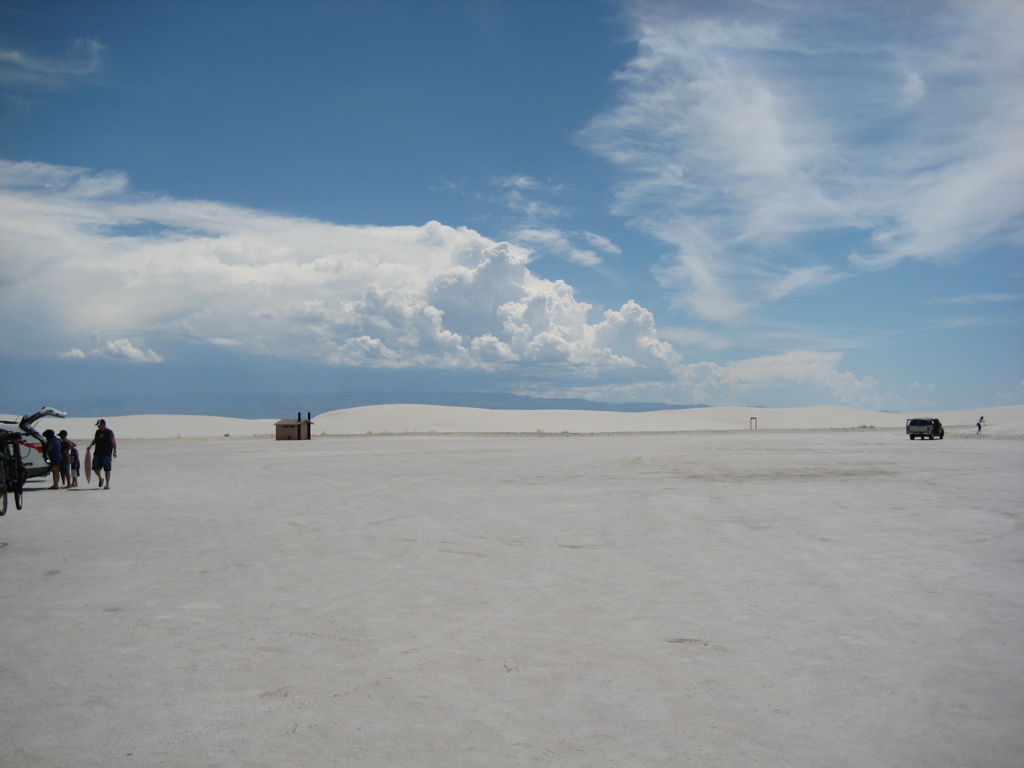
x: 104, y: 451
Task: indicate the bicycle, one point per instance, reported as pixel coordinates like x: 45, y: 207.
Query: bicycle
x: 12, y: 470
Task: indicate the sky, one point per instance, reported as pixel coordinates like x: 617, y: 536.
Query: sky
x: 770, y: 202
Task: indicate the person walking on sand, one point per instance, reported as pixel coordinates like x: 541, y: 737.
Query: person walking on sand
x: 105, y: 450
x: 53, y: 453
x: 981, y: 420
x: 66, y: 446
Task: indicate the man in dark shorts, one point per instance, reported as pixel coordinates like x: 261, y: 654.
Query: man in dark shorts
x: 104, y: 451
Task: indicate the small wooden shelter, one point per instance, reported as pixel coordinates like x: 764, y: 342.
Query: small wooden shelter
x: 295, y: 429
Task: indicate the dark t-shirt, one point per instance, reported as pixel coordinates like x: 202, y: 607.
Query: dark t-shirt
x: 104, y: 442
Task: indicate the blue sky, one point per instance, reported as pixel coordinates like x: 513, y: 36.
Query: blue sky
x: 774, y: 203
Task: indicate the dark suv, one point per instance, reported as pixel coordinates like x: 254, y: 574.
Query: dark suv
x: 930, y: 428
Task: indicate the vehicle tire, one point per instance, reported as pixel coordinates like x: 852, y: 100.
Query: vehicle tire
x: 19, y: 499
x: 931, y: 437
x: 3, y: 503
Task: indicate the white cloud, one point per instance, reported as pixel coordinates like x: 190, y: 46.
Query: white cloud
x: 529, y: 207
x: 123, y: 349
x: 740, y: 381
x: 742, y: 130
x: 791, y: 379
x: 72, y: 354
x: 800, y: 279
x: 914, y: 89
x: 18, y: 67
x: 700, y: 282
x: 601, y: 243
x: 78, y: 250
x: 557, y: 242
x: 695, y: 336
x: 522, y: 181
x: 536, y: 230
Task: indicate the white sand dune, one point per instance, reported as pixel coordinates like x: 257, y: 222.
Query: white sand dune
x: 1004, y: 421
x: 793, y: 597
x: 426, y: 419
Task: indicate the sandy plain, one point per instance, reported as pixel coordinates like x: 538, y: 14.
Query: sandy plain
x: 820, y: 593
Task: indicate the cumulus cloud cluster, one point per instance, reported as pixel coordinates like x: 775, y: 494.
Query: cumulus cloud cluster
x: 114, y: 349
x: 780, y: 147
x: 84, y: 257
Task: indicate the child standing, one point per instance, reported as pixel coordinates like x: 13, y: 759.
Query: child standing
x: 76, y: 466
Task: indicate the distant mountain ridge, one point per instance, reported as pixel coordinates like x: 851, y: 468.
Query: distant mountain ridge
x: 276, y: 406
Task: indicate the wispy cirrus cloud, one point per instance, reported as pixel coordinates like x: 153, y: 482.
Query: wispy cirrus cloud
x: 981, y: 298
x: 780, y: 147
x: 991, y: 310
x: 536, y: 229
x: 21, y: 68
x: 566, y: 244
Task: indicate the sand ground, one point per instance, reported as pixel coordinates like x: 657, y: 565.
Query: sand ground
x: 708, y: 599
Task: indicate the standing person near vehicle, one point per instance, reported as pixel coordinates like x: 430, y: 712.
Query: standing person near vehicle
x: 54, y: 455
x: 981, y: 420
x: 66, y: 446
x: 104, y: 451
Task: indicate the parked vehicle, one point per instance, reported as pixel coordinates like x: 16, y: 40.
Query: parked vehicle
x: 922, y: 428
x: 32, y: 454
